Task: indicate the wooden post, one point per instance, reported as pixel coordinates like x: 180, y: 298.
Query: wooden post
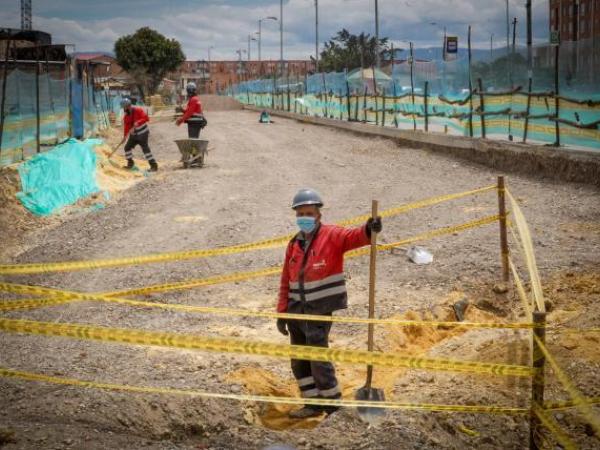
x: 383, y: 109
x: 365, y: 106
x: 470, y: 87
x: 481, y: 106
x: 347, y: 94
x: 37, y: 99
x: 503, y: 236
x: 4, y: 80
x: 526, y: 127
x: 538, y: 381
x: 412, y: 85
x: 556, y: 94
x: 426, y: 102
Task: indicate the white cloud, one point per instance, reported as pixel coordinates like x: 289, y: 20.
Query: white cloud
x: 226, y: 25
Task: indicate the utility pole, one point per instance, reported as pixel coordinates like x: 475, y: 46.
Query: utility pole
x: 377, y: 62
x: 250, y: 39
x: 316, y: 36
x: 491, y: 47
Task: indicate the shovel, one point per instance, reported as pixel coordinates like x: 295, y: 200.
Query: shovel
x: 367, y: 392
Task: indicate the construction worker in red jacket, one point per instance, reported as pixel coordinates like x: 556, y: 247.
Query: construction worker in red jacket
x: 313, y: 282
x: 193, y: 115
x: 137, y: 132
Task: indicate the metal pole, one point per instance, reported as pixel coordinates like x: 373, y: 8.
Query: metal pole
x: 377, y: 61
x: 426, y: 102
x: 281, y: 36
x: 249, y: 47
x: 538, y: 381
x: 556, y: 94
x: 259, y: 37
x: 503, y: 235
x: 470, y: 86
x: 481, y: 106
x: 491, y: 47
x: 316, y: 35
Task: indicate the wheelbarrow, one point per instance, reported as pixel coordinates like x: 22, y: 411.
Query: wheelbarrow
x: 192, y: 152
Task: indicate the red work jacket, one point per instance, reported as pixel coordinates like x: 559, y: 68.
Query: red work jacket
x: 136, y: 119
x: 193, y: 110
x: 312, y: 280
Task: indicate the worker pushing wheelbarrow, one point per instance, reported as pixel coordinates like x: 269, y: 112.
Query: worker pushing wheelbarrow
x: 193, y: 149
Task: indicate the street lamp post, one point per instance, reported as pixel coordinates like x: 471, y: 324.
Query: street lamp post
x: 316, y: 36
x: 250, y: 39
x: 260, y: 21
x: 377, y: 62
x: 281, y: 36
x: 212, y: 46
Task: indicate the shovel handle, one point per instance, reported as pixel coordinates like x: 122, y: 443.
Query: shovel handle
x: 372, y: 265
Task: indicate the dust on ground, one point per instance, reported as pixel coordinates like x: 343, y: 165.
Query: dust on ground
x: 243, y: 195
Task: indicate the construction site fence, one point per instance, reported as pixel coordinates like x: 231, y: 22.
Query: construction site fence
x: 490, y: 94
x: 533, y: 304
x: 43, y: 104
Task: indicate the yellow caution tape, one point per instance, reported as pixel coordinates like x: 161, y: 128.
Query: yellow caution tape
x: 277, y: 270
x: 29, y: 376
x: 568, y: 404
x: 229, y: 345
x: 551, y: 424
x: 242, y: 276
x: 579, y: 400
x: 527, y: 245
x: 60, y: 296
x: 520, y: 289
x: 13, y: 269
x: 419, y: 204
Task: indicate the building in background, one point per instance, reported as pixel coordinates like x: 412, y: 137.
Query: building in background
x: 215, y: 76
x: 575, y: 19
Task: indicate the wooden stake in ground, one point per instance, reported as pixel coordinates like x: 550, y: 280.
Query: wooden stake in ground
x: 371, y: 415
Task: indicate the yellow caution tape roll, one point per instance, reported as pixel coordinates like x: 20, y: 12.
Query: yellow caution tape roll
x: 29, y: 376
x: 14, y: 269
x: 228, y: 345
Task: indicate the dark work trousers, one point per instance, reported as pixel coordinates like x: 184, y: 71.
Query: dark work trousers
x: 194, y: 130
x: 315, y: 378
x: 142, y: 141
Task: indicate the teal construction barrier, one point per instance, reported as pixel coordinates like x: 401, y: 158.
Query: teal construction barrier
x: 59, y: 177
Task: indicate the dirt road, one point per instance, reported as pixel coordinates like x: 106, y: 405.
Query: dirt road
x: 243, y: 195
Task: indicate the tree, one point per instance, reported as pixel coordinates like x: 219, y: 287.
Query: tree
x: 349, y: 51
x: 148, y: 56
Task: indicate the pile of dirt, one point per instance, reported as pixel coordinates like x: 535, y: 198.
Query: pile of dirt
x: 411, y: 341
x: 111, y: 174
x: 15, y: 220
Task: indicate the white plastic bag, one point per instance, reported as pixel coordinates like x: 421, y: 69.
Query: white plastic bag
x: 419, y: 255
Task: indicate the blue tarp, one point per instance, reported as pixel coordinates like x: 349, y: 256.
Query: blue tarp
x: 59, y: 177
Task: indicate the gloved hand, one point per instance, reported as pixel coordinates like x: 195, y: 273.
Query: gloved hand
x: 374, y: 225
x: 282, y: 326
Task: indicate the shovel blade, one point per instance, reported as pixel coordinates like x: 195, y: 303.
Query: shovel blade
x: 371, y: 415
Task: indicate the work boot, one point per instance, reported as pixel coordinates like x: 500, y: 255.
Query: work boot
x: 306, y: 412
x: 130, y: 164
x: 153, y: 166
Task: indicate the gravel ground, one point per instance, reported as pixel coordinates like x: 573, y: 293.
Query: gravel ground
x: 243, y: 194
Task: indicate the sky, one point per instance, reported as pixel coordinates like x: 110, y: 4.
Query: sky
x: 94, y: 25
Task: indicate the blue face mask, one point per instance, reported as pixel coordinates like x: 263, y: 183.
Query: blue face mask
x: 306, y: 224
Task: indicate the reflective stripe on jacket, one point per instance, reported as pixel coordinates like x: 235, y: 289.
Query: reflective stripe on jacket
x: 312, y: 280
